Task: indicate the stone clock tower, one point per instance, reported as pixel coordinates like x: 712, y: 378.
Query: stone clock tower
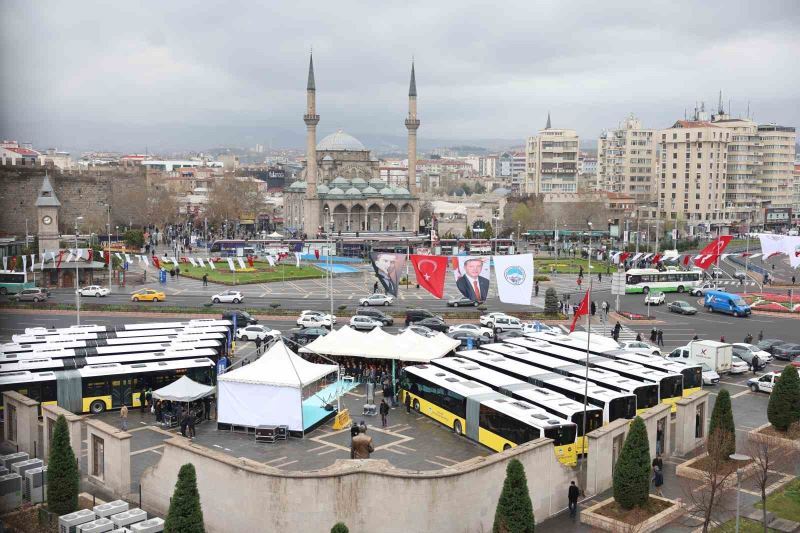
x: 47, y: 212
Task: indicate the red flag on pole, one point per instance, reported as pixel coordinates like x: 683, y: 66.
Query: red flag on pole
x: 60, y: 257
x: 582, y: 310
x: 250, y: 261
x: 430, y: 271
x: 686, y: 259
x: 156, y: 262
x: 710, y: 253
x: 656, y: 258
x: 623, y: 256
x: 91, y: 256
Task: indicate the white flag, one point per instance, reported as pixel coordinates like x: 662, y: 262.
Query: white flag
x: 128, y: 259
x: 211, y: 264
x: 174, y: 261
x: 192, y: 261
x: 200, y: 260
x: 230, y: 264
x: 102, y: 254
x: 297, y: 259
x: 636, y: 257
x: 5, y: 263
x: 241, y: 263
x: 646, y: 257
x: 117, y: 254
x: 271, y: 260
x: 514, y: 275
x: 33, y: 261
x: 69, y: 257
x: 146, y: 261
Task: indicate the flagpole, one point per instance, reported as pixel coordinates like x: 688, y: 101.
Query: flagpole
x: 746, y: 257
x: 584, y: 441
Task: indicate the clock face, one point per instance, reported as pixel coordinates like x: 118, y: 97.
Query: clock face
x: 47, y: 220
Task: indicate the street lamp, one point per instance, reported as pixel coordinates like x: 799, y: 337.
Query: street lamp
x: 77, y: 275
x: 739, y: 458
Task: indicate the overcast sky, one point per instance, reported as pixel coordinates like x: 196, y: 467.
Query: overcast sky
x: 191, y: 75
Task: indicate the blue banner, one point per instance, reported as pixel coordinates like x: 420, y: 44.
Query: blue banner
x: 222, y: 365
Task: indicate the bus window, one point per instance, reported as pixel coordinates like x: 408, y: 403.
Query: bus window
x: 93, y: 387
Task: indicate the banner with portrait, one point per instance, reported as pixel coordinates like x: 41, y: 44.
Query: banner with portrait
x: 471, y: 273
x: 389, y: 269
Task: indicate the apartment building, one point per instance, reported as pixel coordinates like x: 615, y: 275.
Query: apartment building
x: 796, y: 193
x: 627, y: 161
x: 693, y: 173
x: 776, y: 152
x: 551, y: 161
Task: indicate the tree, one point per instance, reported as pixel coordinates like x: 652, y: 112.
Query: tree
x: 514, y: 512
x: 233, y: 198
x: 705, y: 502
x: 550, y: 301
x: 480, y: 188
x: 769, y: 454
x: 784, y: 402
x: 63, y: 479
x: 722, y: 420
x: 339, y: 527
x: 185, y: 514
x: 134, y: 238
x: 632, y: 472
x: 468, y: 231
x: 520, y: 216
x: 488, y: 232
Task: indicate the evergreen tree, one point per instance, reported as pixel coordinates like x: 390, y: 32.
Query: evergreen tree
x: 468, y: 231
x: 550, y: 302
x: 784, y: 402
x: 340, y: 528
x: 514, y: 512
x: 185, y: 514
x: 488, y: 232
x: 63, y: 479
x: 722, y: 420
x: 632, y: 471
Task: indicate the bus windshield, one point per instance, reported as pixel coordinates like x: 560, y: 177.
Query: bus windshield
x: 672, y: 387
x: 624, y: 407
x: 594, y: 419
x: 561, y: 435
x: 692, y: 377
x: 646, y: 397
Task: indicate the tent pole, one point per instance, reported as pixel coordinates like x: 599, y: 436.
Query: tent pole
x: 394, y: 392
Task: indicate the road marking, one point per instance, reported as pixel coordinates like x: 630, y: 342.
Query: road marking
x: 285, y: 464
x: 446, y: 459
x: 333, y: 449
x: 275, y: 460
x: 405, y: 447
x: 391, y: 449
x: 150, y: 449
x: 738, y: 394
x: 318, y: 448
x: 437, y: 464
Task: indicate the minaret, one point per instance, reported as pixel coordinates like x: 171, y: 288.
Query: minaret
x: 412, y: 123
x: 311, y: 209
x: 548, y: 126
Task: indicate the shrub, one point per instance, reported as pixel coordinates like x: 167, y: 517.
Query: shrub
x: 340, y: 528
x: 550, y: 302
x: 722, y: 420
x: 134, y: 238
x: 342, y: 307
x: 541, y: 277
x: 784, y: 402
x: 275, y: 305
x: 63, y: 480
x: 514, y: 512
x: 185, y: 514
x: 632, y: 472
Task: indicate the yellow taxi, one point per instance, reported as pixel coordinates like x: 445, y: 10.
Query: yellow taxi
x: 148, y: 295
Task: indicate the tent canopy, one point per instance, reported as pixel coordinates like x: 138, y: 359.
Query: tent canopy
x: 275, y: 234
x: 280, y: 367
x: 378, y: 344
x: 183, y: 390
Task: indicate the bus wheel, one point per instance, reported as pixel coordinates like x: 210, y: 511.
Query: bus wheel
x: 3, y: 291
x: 416, y: 405
x: 506, y: 446
x: 97, y: 407
x: 680, y: 289
x: 457, y: 427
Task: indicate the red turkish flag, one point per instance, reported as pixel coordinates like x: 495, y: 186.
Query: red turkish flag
x: 623, y: 256
x: 686, y: 259
x: 250, y: 261
x: 156, y: 262
x: 710, y: 253
x: 60, y: 257
x: 656, y: 258
x: 583, y: 309
x: 430, y: 271
x: 91, y: 256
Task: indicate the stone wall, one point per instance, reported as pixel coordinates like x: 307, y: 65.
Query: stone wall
x: 80, y: 193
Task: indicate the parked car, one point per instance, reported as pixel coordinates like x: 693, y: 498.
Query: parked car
x: 679, y: 306
x: 306, y: 335
x: 419, y: 330
x: 322, y: 313
x: 538, y: 327
x: 763, y: 383
x: 31, y: 295
x: 707, y: 286
x: 740, y: 275
x: 488, y: 319
x: 768, y: 345
x: 364, y: 322
x: 94, y: 290
x: 243, y: 318
x: 434, y: 323
x: 314, y: 321
x: 710, y: 376
x: 461, y: 301
x: 469, y: 339
x: 227, y: 297
x: 787, y: 351
x: 510, y: 334
x: 415, y: 315
x: 639, y: 347
x: 377, y: 315
x: 478, y: 330
x: 746, y: 352
x: 249, y: 333
x: 655, y: 298
x: 148, y: 295
x: 738, y: 366
x: 505, y: 323
x: 377, y: 299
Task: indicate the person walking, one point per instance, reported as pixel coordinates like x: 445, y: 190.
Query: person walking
x: 658, y: 462
x: 748, y: 339
x: 761, y: 335
x: 205, y: 280
x: 375, y: 288
x: 361, y: 445
x: 638, y: 337
x: 258, y: 345
x: 580, y: 272
x: 579, y: 281
x: 594, y: 308
x: 123, y: 417
x: 143, y: 400
x: 658, y: 480
x: 617, y: 329
x: 600, y: 277
x: 755, y: 363
x: 572, y: 496
x: 384, y: 410
x: 722, y: 338
x: 536, y: 288
x: 184, y: 421
x: 190, y: 424
x: 157, y: 409
x: 653, y: 335
x: 408, y: 403
x: 660, y: 337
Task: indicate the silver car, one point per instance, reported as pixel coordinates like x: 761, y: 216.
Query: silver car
x: 31, y: 295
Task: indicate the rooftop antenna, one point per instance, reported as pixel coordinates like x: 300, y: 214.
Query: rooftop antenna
x: 748, y: 109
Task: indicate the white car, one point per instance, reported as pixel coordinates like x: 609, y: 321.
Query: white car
x: 249, y: 333
x: 763, y: 383
x: 738, y: 366
x: 480, y: 330
x: 420, y: 330
x: 506, y: 323
x: 655, y: 298
x: 538, y: 327
x: 364, y: 322
x: 315, y: 321
x: 750, y: 350
x: 707, y: 286
x: 639, y: 347
x: 227, y: 297
x: 94, y: 290
x: 377, y: 299
x: 488, y: 320
x: 318, y: 313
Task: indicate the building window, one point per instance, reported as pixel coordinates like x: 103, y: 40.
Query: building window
x: 98, y: 457
x: 12, y: 422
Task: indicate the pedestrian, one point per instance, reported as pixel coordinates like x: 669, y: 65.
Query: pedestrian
x: 375, y: 288
x: 638, y: 337
x: 695, y: 338
x: 617, y: 329
x: 258, y: 345
x: 761, y: 335
x: 660, y: 337
x: 207, y: 407
x: 594, y: 308
x: 793, y: 280
x: 536, y: 288
x: 190, y: 424
x: 755, y: 363
x: 123, y: 417
x: 653, y: 335
x: 658, y: 480
x: 580, y: 280
x: 748, y: 339
x: 604, y: 307
x: 580, y: 272
x: 722, y: 338
x: 658, y: 462
x: 205, y: 280
x: 384, y: 410
x: 361, y: 445
x: 600, y: 277
x: 408, y: 403
x: 572, y: 496
x: 184, y: 421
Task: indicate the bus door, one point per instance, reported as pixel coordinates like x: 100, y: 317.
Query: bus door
x: 121, y: 392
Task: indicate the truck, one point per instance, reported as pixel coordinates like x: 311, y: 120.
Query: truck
x: 717, y: 355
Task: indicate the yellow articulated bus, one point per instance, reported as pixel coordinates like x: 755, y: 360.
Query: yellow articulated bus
x: 482, y: 415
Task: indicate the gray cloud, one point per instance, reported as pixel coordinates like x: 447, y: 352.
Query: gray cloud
x: 186, y: 75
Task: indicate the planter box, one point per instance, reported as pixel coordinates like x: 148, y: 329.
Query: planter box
x: 789, y: 442
x: 686, y: 470
x: 591, y: 518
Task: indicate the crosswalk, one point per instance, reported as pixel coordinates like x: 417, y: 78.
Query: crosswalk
x: 625, y: 334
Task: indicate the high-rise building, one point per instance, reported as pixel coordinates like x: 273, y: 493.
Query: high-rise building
x: 551, y: 161
x: 693, y: 174
x: 796, y: 193
x: 776, y: 151
x: 743, y: 184
x: 627, y: 161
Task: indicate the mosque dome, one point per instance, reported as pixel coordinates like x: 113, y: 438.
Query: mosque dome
x: 352, y: 192
x: 323, y: 189
x: 335, y: 191
x: 370, y: 190
x: 386, y: 191
x: 341, y: 182
x: 340, y: 140
x: 377, y: 183
x: 359, y: 183
x: 402, y: 191
x: 297, y: 185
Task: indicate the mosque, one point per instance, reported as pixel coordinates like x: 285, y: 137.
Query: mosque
x: 342, y: 184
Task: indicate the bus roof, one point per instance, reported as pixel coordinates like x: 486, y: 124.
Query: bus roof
x: 651, y: 361
x: 41, y: 364
x: 526, y: 412
x: 476, y: 372
x: 657, y: 271
x: 448, y: 380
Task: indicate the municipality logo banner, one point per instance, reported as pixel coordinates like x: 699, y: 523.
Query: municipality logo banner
x: 514, y: 275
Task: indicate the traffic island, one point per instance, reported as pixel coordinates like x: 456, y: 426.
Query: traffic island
x: 698, y: 469
x: 608, y: 515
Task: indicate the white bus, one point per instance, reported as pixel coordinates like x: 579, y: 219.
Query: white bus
x: 34, y: 338
x: 643, y: 280
x: 95, y: 328
x: 70, y: 363
x: 13, y: 350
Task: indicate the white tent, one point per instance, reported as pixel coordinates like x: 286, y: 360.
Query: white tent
x: 268, y: 391
x: 275, y: 234
x: 378, y: 344
x: 183, y: 390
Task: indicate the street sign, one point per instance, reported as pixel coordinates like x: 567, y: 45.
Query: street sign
x: 618, y: 283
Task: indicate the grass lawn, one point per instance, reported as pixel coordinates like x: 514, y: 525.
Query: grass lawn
x: 569, y: 265
x: 785, y: 503
x: 263, y: 274
x: 745, y: 526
